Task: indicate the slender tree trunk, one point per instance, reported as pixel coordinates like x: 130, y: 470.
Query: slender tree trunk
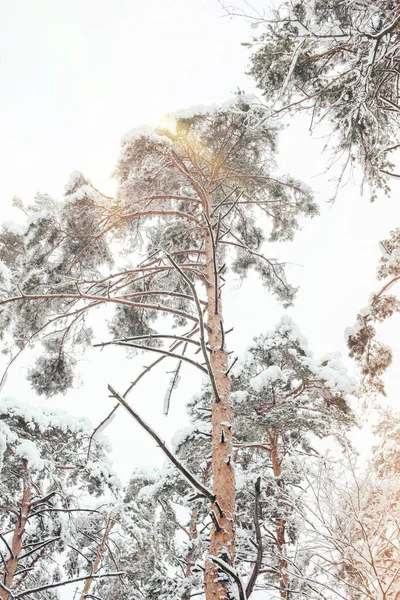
x: 192, y: 552
x: 99, y: 555
x: 17, y: 540
x: 280, y: 526
x: 222, y: 542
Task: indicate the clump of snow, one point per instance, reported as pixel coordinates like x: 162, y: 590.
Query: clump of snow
x: 239, y: 396
x: 287, y: 324
x: 37, y: 216
x: 243, y: 361
x: 29, y: 451
x: 149, y: 491
x: 75, y: 180
x: 101, y: 471
x: 286, y: 330
x: 267, y: 377
x: 352, y: 331
x: 335, y: 374
x: 150, y: 473
x: 180, y: 436
x: 365, y: 311
x: 84, y: 191
x: 197, y: 110
x: 143, y: 131
x: 6, y: 437
x: 44, y: 418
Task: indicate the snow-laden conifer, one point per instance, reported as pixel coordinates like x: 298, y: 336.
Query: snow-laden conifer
x: 196, y: 200
x: 337, y: 61
x: 284, y: 400
x: 373, y: 356
x: 48, y: 479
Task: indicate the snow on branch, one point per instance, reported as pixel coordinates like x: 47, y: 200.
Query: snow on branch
x: 60, y: 583
x: 232, y: 573
x: 157, y: 350
x: 194, y: 482
x: 201, y: 325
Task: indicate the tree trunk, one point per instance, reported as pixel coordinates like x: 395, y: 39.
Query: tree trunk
x: 280, y: 526
x: 222, y: 542
x: 99, y: 555
x: 17, y: 541
x: 192, y: 552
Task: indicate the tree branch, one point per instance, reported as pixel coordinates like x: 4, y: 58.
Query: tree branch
x: 201, y: 326
x: 158, y: 307
x: 190, y: 478
x: 61, y: 583
x: 231, y: 572
x: 257, y: 565
x: 160, y: 351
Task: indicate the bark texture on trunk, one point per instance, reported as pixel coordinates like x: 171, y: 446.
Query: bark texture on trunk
x: 280, y: 526
x: 222, y: 542
x: 17, y: 541
x: 96, y: 563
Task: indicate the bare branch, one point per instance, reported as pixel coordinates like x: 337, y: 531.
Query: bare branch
x: 159, y: 351
x: 181, y: 468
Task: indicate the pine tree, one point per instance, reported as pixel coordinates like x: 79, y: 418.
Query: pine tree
x: 188, y: 201
x: 284, y: 400
x: 46, y: 474
x: 373, y: 356
x: 339, y: 63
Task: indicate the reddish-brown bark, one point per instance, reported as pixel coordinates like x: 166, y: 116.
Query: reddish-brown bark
x: 280, y: 525
x: 17, y: 540
x: 99, y: 555
x: 222, y: 542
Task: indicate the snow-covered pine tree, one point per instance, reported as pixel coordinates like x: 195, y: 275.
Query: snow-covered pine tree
x: 339, y: 62
x: 46, y: 474
x: 372, y: 356
x: 284, y: 400
x: 188, y: 201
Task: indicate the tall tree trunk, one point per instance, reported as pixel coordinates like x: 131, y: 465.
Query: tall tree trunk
x: 280, y: 526
x: 99, y: 555
x: 222, y: 542
x: 17, y: 540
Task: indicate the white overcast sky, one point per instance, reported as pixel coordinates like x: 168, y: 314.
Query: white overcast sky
x: 74, y: 77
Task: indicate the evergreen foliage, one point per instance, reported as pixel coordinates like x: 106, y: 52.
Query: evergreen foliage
x: 339, y: 62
